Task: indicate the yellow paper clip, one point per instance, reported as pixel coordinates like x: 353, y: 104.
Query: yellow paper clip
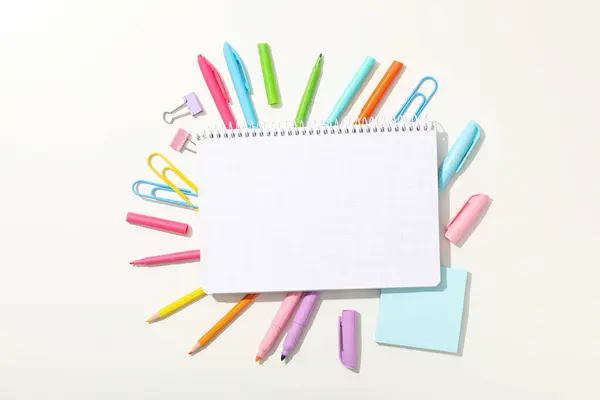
x: 163, y: 176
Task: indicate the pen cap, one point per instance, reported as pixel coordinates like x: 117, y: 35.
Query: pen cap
x: 465, y: 217
x: 157, y: 223
x: 347, y: 338
x: 266, y: 64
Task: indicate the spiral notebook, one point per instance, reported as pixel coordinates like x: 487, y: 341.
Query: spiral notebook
x: 316, y: 208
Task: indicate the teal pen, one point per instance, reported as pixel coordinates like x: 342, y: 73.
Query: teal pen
x: 241, y: 83
x: 458, y: 154
x: 350, y: 90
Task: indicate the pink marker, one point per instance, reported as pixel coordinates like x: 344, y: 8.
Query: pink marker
x: 279, y: 322
x: 463, y: 220
x: 157, y: 223
x: 169, y: 258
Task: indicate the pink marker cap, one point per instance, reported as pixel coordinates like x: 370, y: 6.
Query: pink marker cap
x: 157, y: 223
x: 463, y: 220
x: 180, y: 139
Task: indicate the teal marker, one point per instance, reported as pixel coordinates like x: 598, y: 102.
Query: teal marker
x: 350, y: 90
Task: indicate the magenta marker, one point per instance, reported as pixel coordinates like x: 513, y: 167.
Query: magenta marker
x: 305, y: 309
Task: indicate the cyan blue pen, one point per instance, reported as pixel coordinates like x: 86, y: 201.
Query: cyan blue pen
x: 458, y: 154
x: 240, y: 83
x: 350, y: 90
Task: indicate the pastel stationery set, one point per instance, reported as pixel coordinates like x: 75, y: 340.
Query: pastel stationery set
x: 301, y: 208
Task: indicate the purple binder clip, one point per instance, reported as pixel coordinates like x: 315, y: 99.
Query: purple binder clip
x: 191, y: 102
x: 347, y: 338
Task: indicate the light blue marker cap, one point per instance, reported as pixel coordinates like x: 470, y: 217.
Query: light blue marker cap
x: 458, y: 154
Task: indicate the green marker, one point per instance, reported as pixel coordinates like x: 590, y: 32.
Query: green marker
x: 309, y: 91
x: 269, y: 77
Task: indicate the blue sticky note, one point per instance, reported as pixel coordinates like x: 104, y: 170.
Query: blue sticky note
x: 424, y: 318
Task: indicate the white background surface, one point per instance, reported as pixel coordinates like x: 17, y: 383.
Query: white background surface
x: 82, y: 90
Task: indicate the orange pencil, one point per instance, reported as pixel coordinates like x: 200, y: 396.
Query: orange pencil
x: 238, y: 308
x: 379, y: 91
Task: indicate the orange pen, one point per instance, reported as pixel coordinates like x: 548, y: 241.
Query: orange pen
x: 227, y: 318
x: 379, y: 91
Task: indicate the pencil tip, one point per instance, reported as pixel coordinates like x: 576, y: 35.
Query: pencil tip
x: 282, y: 357
x: 195, y: 349
x: 153, y: 318
x: 321, y: 55
x: 257, y: 359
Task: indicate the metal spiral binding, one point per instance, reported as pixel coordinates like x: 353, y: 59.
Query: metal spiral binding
x: 282, y: 129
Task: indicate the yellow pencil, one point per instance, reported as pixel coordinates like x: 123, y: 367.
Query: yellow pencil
x: 177, y: 304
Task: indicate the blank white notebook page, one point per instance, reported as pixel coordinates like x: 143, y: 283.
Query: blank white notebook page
x: 316, y: 212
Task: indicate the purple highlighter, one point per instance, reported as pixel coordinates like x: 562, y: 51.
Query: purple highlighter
x: 305, y: 309
x: 347, y: 338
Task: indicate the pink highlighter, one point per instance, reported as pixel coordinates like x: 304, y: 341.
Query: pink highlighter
x: 465, y: 217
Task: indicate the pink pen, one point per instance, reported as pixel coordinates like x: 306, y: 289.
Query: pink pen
x: 168, y: 258
x: 279, y: 322
x: 217, y: 91
x: 465, y: 217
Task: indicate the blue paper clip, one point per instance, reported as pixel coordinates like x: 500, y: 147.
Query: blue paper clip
x: 158, y: 187
x: 415, y: 93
